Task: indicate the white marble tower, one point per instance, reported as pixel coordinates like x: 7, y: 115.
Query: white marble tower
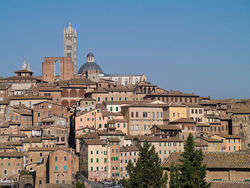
x: 70, y: 45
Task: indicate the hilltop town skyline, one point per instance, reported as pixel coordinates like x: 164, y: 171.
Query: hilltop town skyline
x: 154, y: 43
x: 124, y: 94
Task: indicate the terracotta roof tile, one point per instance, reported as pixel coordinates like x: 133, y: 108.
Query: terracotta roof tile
x: 228, y: 160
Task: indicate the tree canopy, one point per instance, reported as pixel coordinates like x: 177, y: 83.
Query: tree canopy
x: 147, y: 172
x: 191, y: 172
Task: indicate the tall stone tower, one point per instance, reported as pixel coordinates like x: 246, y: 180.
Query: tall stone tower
x: 70, y: 45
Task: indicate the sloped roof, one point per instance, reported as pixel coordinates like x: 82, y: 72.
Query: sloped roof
x: 228, y: 160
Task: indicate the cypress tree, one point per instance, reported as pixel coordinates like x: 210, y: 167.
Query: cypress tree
x: 192, y: 171
x: 148, y: 171
x: 174, y: 177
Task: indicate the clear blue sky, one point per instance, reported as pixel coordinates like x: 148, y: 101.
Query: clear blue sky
x: 188, y: 45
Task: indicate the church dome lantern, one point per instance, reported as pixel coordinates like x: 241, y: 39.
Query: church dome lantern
x: 90, y: 57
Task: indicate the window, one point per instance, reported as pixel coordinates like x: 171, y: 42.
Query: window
x: 124, y: 125
x: 65, y: 168
x: 91, y: 168
x: 200, y: 111
x: 105, y: 160
x: 100, y: 126
x: 63, y: 181
x: 65, y: 158
x: 5, y: 172
x: 153, y: 114
x: 136, y: 114
x: 97, y: 152
x: 173, y: 114
x: 57, y: 181
x: 91, y: 152
x: 97, y: 168
x: 38, y: 114
x: 97, y: 160
x: 98, y: 99
x: 55, y: 158
x: 145, y: 114
x: 69, y: 47
x: 56, y: 168
x: 157, y: 114
x: 91, y: 160
x: 121, y: 161
x: 105, y: 168
x: 132, y: 114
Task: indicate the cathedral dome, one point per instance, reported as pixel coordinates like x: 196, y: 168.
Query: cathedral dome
x: 89, y: 66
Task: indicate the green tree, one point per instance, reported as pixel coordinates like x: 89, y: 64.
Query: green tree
x: 79, y: 185
x: 192, y: 171
x: 174, y: 177
x: 147, y: 171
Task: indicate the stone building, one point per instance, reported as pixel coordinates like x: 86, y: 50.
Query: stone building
x: 63, y: 165
x: 127, y: 153
x: 28, y: 101
x: 186, y: 125
x: 53, y: 166
x: 231, y: 143
x: 47, y: 109
x: 94, y: 159
x: 21, y: 82
x: 125, y: 79
x: 173, y: 96
x: 141, y: 117
x: 209, y: 144
x: 240, y: 125
x: 11, y: 164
